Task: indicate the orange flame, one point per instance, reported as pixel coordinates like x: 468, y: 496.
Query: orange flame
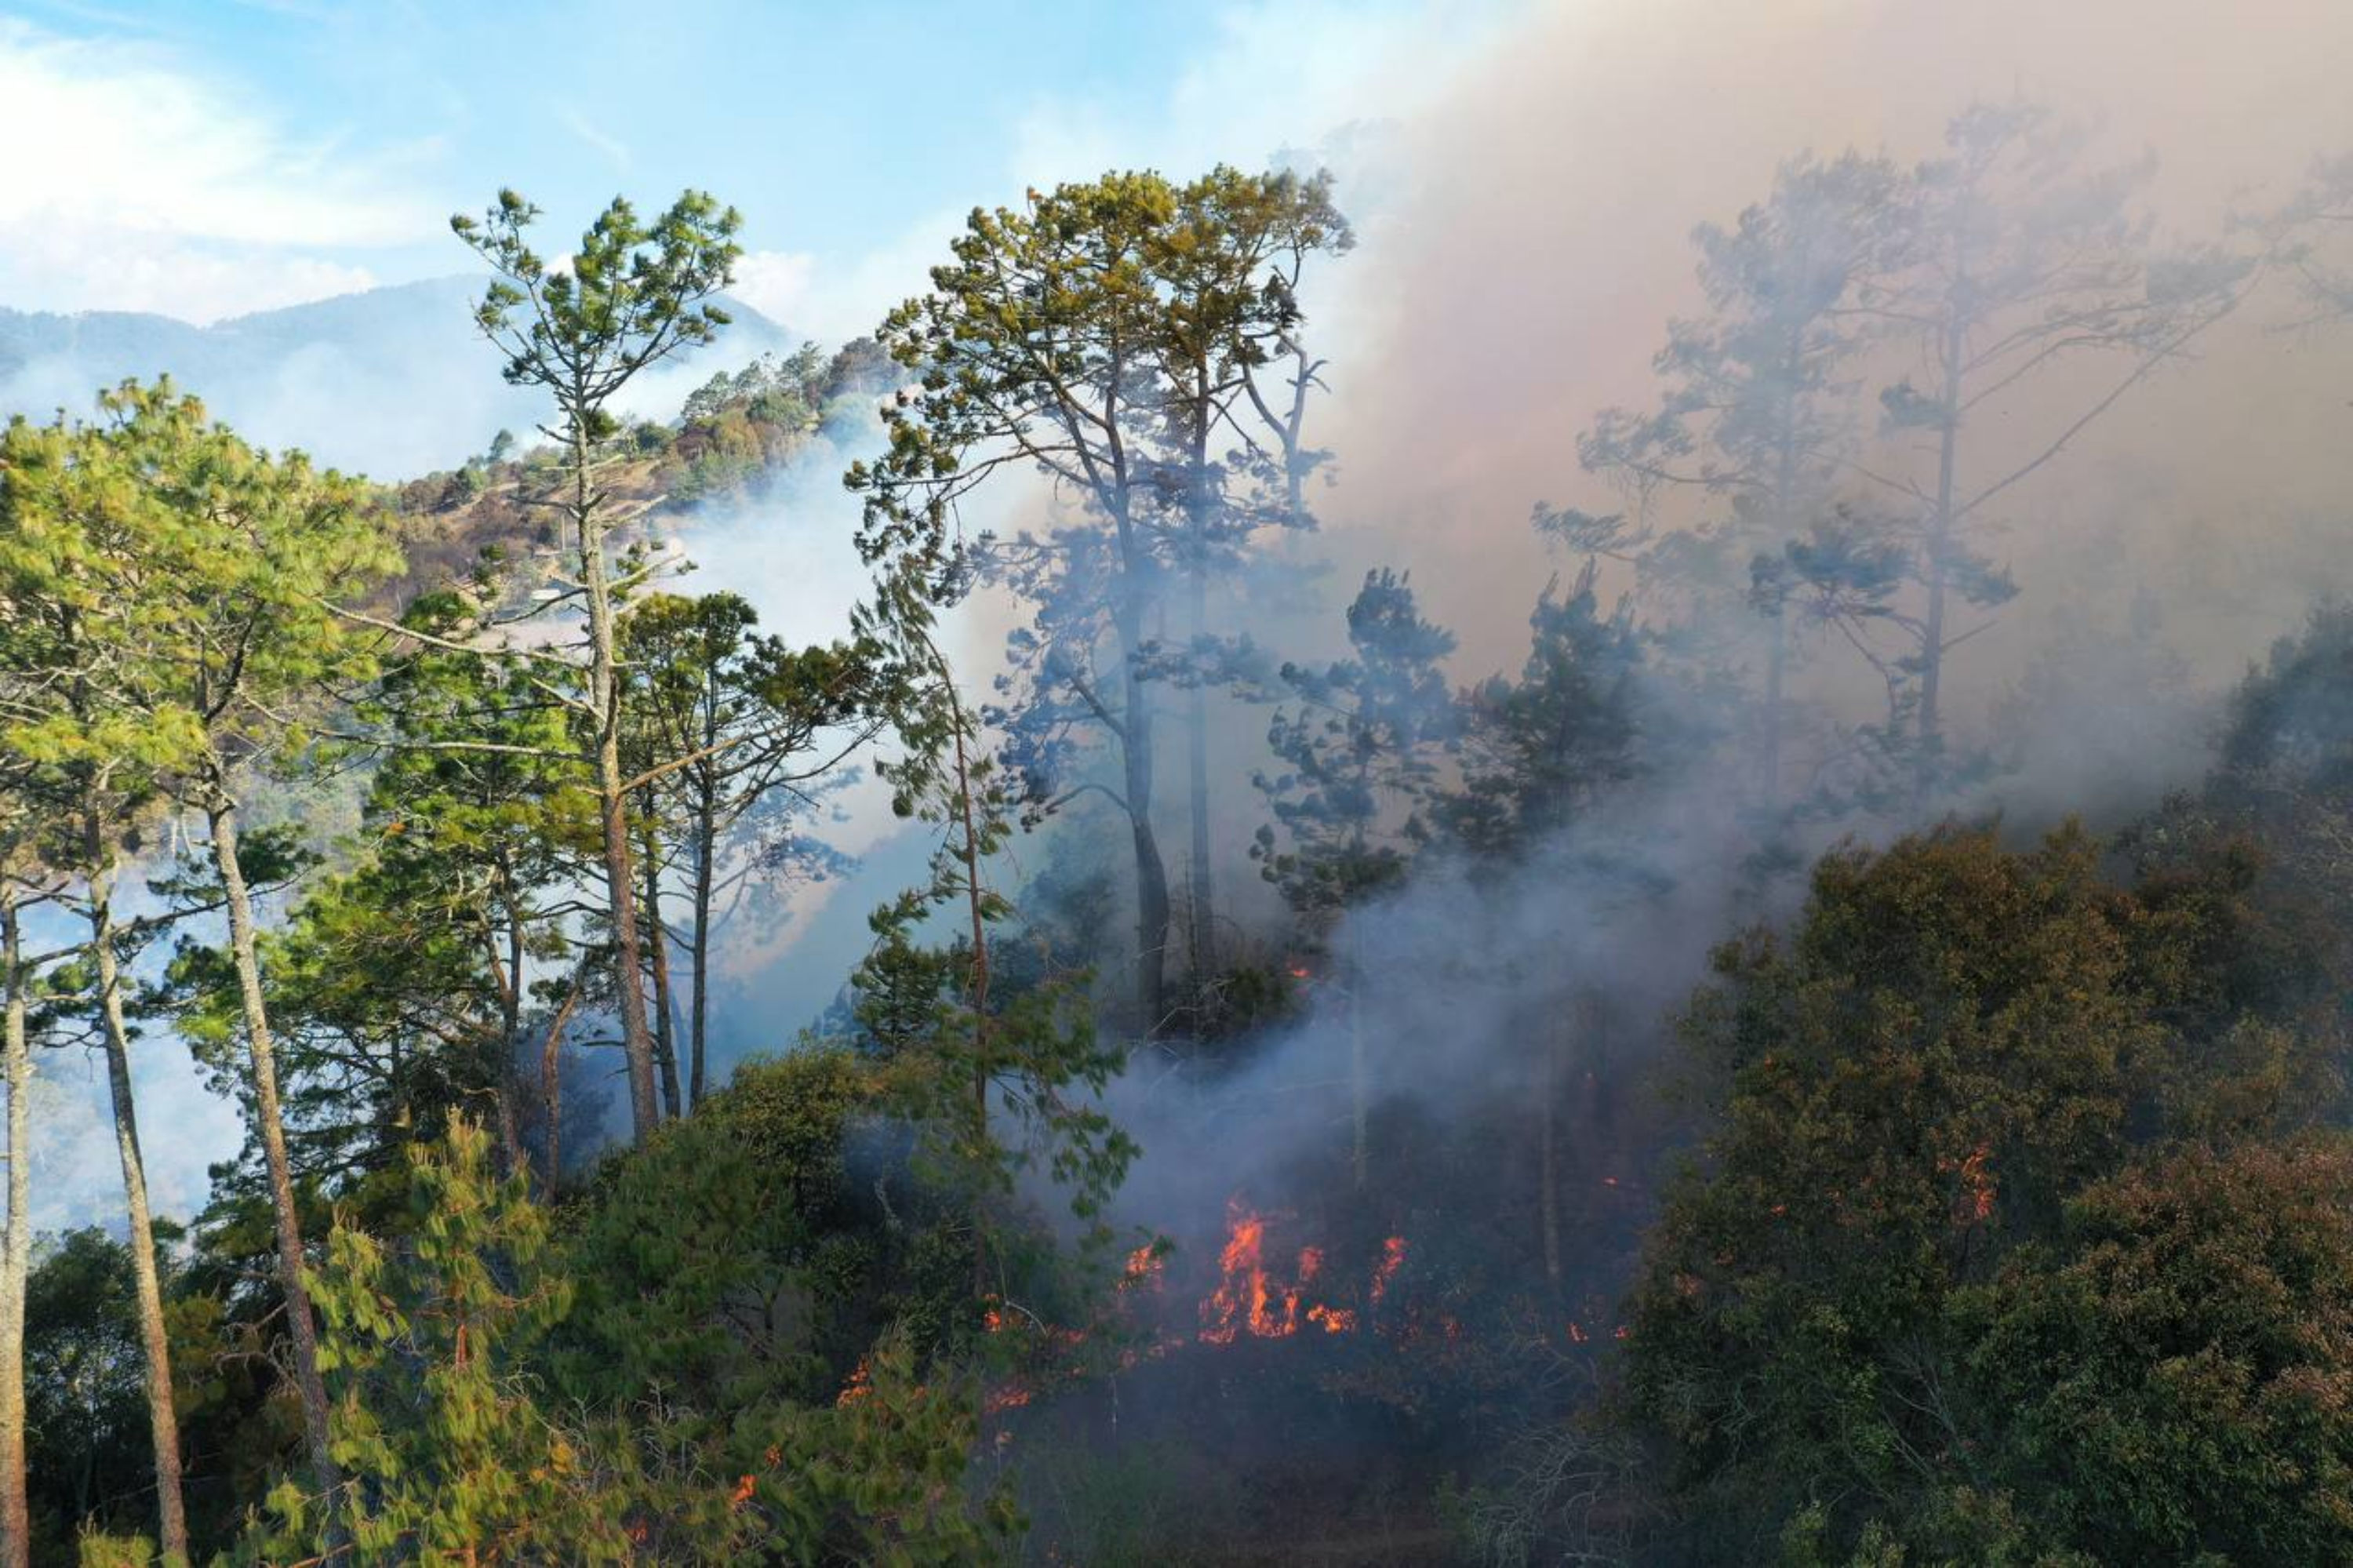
x: 1251, y: 1298
x: 1145, y: 1267
x: 1240, y: 1299
x: 1973, y: 1205
x: 1333, y: 1320
x: 1392, y: 1259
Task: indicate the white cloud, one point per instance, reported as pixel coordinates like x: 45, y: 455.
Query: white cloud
x: 158, y: 190
x: 1273, y: 75
x: 776, y: 284
x: 831, y: 297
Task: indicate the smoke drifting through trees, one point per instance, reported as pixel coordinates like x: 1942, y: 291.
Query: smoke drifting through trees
x: 1541, y: 241
x: 1625, y: 654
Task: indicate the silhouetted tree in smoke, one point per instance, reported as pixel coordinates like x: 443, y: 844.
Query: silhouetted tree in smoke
x: 1538, y: 751
x: 2015, y: 260
x: 1139, y: 343
x: 2308, y: 236
x: 1757, y: 411
x: 2012, y: 276
x: 1359, y: 748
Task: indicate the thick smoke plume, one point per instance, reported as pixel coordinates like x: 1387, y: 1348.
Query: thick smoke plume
x: 1525, y: 242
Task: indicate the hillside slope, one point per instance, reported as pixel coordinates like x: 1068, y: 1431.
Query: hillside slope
x: 330, y: 377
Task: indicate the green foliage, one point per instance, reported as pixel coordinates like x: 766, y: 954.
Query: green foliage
x: 632, y: 294
x: 84, y: 1391
x: 1540, y: 751
x: 200, y: 576
x: 1158, y: 297
x: 448, y: 1454
x: 963, y: 1047
x: 1108, y: 336
x: 1917, y: 1082
x: 2173, y: 1379
x: 732, y: 1263
x: 1926, y: 1297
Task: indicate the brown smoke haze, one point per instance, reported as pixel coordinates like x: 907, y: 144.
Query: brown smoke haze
x: 1526, y: 276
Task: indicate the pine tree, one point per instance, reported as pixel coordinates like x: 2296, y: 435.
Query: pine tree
x: 635, y: 294
x: 736, y: 734
x: 202, y: 592
x: 451, y: 1458
x: 962, y: 1043
x: 1105, y: 336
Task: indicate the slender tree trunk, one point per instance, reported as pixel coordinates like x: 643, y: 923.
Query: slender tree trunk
x: 163, y: 1421
x: 301, y: 1331
x: 510, y: 1042
x: 1360, y: 1091
x: 657, y: 938
x: 1151, y: 919
x: 550, y: 1083
x: 699, y: 983
x: 1548, y: 1077
x: 974, y: 907
x: 613, y: 814
x: 1777, y: 664
x: 1785, y: 523
x: 1200, y: 912
x: 17, y: 1250
x: 1939, y: 540
x: 1583, y: 1066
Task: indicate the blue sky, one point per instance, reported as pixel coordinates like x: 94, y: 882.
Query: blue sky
x: 229, y: 156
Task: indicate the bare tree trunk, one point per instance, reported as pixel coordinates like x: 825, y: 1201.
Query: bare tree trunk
x: 1785, y: 523
x: 1200, y: 912
x: 1202, y: 502
x: 699, y: 1001
x: 1360, y: 1092
x: 1777, y: 663
x: 1938, y: 544
x: 16, y: 1251
x: 974, y: 907
x: 301, y: 1331
x: 665, y: 1031
x: 1548, y: 1132
x: 1152, y: 919
x: 613, y: 814
x: 550, y: 1083
x: 163, y: 1421
x: 510, y: 1040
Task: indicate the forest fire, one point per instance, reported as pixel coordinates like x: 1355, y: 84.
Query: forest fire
x: 1251, y: 1298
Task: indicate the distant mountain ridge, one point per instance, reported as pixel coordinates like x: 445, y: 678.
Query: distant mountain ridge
x: 392, y: 382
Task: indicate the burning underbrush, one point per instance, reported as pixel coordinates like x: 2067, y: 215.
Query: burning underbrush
x: 1280, y: 1383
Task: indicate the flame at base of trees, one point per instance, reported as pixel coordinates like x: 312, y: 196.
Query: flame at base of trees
x: 1268, y: 1302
